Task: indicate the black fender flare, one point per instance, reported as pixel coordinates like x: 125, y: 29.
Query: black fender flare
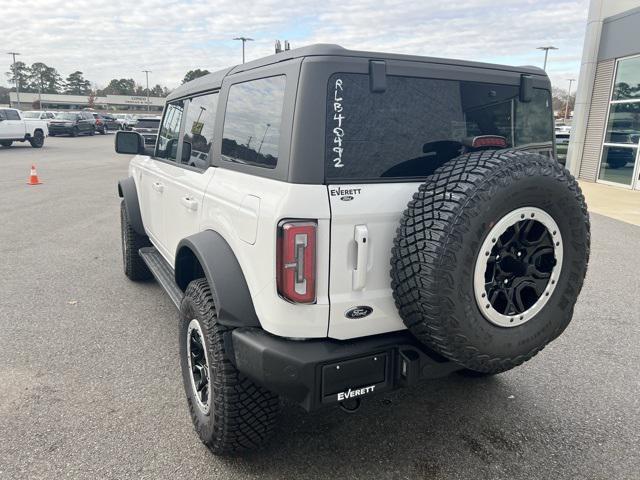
x: 223, y: 272
x: 127, y: 191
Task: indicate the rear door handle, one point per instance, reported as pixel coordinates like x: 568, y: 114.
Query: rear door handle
x: 158, y: 187
x: 361, y: 237
x: 189, y: 203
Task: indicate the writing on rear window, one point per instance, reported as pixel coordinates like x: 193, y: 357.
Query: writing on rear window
x: 338, y: 132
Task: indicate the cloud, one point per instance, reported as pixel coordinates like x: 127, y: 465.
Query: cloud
x: 116, y: 39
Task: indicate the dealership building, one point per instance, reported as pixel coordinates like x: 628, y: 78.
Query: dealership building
x: 605, y: 136
x: 112, y: 103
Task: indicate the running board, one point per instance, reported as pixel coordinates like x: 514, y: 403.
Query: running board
x: 163, y: 272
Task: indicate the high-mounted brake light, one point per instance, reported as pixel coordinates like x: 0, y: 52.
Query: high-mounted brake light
x: 296, y: 260
x: 484, y: 141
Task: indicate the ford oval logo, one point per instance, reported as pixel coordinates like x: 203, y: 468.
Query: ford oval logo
x: 346, y: 198
x: 358, y: 312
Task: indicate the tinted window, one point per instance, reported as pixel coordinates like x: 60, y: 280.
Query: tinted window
x: 627, y: 84
x: 252, y: 122
x: 417, y: 124
x: 624, y: 123
x: 148, y: 123
x: 11, y: 115
x: 199, y: 125
x: 170, y: 131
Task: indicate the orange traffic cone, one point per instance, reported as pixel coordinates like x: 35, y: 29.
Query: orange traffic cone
x: 33, y: 177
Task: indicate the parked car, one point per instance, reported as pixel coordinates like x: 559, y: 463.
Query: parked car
x: 73, y: 123
x: 148, y: 128
x: 563, y: 133
x: 39, y: 115
x: 362, y: 221
x: 125, y: 120
x: 105, y: 123
x: 15, y: 128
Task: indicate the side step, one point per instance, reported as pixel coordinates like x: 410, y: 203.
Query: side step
x: 163, y: 272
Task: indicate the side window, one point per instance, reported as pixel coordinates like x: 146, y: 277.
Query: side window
x: 12, y: 115
x: 198, y: 130
x: 3, y: 114
x: 169, y: 133
x: 252, y: 122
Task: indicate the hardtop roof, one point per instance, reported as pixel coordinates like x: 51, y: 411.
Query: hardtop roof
x: 214, y: 80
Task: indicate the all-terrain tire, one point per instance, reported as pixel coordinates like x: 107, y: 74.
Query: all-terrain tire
x: 37, y: 141
x: 439, y: 239
x: 132, y: 241
x: 241, y: 414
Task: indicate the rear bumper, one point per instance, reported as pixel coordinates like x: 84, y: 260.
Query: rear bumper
x: 315, y: 373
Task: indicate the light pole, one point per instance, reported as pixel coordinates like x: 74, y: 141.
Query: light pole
x: 546, y: 54
x: 243, y: 40
x: 263, y: 136
x: 147, y: 72
x: 16, y: 79
x: 566, y: 109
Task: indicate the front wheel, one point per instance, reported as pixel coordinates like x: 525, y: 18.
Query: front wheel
x: 132, y: 242
x: 230, y: 413
x: 37, y: 141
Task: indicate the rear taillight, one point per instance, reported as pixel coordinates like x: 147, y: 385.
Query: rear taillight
x: 296, y: 260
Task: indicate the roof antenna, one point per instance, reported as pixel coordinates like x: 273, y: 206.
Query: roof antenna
x: 278, y: 46
x: 287, y: 46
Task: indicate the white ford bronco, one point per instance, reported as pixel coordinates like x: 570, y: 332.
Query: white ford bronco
x: 15, y: 128
x: 333, y: 224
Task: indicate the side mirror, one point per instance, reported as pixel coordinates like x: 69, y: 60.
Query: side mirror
x: 131, y: 143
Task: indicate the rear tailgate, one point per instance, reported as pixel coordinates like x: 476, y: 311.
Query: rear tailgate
x: 364, y: 219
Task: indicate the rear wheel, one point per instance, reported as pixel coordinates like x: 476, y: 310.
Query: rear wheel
x: 480, y: 272
x: 37, y: 141
x: 6, y: 143
x: 230, y: 413
x: 132, y: 242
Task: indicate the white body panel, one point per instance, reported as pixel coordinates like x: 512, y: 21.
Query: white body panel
x: 20, y: 128
x: 245, y: 210
x: 360, y: 270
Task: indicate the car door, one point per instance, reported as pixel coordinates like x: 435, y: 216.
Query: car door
x: 12, y: 125
x: 189, y: 174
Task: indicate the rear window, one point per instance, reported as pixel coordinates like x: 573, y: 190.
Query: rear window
x: 416, y: 124
x: 252, y: 122
x: 148, y: 123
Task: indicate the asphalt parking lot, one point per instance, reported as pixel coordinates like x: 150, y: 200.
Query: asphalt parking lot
x: 90, y: 384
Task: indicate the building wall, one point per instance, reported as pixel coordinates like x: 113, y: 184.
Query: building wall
x: 597, y: 118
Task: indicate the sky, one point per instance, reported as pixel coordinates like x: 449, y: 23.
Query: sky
x: 119, y: 39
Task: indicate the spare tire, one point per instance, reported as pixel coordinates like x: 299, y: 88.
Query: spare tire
x: 490, y: 257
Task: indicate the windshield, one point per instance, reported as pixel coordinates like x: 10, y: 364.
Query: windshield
x: 417, y: 124
x: 31, y: 114
x: 66, y: 116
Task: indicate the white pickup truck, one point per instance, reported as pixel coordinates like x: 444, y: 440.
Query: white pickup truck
x: 14, y: 128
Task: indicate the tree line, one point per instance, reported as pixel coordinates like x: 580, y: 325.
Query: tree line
x: 39, y: 77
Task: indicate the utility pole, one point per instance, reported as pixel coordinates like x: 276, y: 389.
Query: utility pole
x: 16, y: 79
x: 566, y: 109
x: 546, y: 54
x: 243, y: 40
x: 147, y: 72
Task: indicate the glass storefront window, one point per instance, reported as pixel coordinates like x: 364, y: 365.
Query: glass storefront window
x: 622, y: 136
x: 627, y: 84
x: 618, y: 164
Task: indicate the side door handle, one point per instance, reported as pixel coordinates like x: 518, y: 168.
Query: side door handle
x: 158, y: 187
x: 189, y: 203
x: 361, y: 237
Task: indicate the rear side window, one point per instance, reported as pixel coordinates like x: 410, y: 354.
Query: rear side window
x: 11, y: 115
x: 198, y: 130
x: 169, y: 133
x: 252, y: 122
x: 417, y: 124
